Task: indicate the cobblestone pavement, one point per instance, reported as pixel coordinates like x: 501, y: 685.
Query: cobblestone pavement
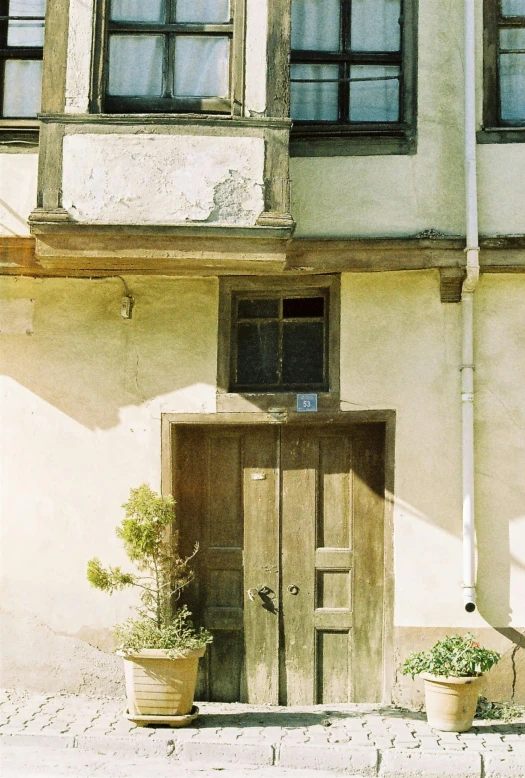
x: 364, y: 740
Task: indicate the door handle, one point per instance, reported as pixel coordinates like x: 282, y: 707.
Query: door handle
x: 261, y: 590
x: 293, y: 589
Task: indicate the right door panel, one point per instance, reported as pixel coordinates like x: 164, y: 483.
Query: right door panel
x: 332, y: 563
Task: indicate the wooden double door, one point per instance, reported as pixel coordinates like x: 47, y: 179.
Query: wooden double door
x: 290, y: 569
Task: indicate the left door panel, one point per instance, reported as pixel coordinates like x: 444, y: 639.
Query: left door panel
x: 226, y: 489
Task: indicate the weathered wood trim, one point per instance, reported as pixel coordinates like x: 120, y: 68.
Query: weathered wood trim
x: 450, y: 283
x: 115, y: 250
x: 168, y: 122
x: 49, y: 191
x: 389, y: 668
x: 358, y: 146
x: 55, y: 56
x: 278, y: 58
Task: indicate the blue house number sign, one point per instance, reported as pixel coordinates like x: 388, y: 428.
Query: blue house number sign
x: 307, y: 403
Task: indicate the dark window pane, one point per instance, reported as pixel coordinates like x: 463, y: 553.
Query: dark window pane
x: 258, y: 309
x: 303, y: 307
x: 303, y: 353
x: 257, y: 354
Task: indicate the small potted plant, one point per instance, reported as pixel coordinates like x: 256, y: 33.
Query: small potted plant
x: 452, y: 672
x: 161, y: 648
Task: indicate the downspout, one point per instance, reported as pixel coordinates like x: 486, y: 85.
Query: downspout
x: 467, y: 309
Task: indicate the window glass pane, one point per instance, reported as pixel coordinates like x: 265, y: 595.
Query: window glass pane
x: 27, y: 8
x: 257, y: 309
x: 25, y: 33
x: 303, y: 307
x: 303, y: 353
x: 512, y: 39
x: 513, y: 7
x: 512, y: 86
x: 201, y: 66
x: 315, y: 100
x: 137, y: 10
x: 374, y: 97
x: 22, y: 87
x: 375, y: 25
x: 203, y: 11
x: 257, y: 354
x: 135, y: 65
x: 316, y: 24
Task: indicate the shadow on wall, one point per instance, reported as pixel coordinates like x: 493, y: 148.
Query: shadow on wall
x: 87, y: 361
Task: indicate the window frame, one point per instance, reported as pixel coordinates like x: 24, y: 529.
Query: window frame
x: 18, y: 129
x: 498, y: 129
x: 335, y: 138
x: 101, y: 102
x: 328, y: 286
x: 315, y: 292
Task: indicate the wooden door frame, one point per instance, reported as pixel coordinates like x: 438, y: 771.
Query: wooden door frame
x: 169, y: 421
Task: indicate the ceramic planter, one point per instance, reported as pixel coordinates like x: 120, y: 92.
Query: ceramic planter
x: 451, y: 702
x: 161, y: 688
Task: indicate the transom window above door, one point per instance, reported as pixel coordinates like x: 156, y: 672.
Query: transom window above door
x: 168, y: 55
x: 350, y: 68
x: 279, y: 342
x: 21, y: 46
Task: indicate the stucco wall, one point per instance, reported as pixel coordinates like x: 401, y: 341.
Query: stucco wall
x: 401, y: 350
x: 18, y: 176
x: 404, y: 195
x: 81, y: 399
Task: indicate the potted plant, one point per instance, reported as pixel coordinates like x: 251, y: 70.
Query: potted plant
x: 452, y: 672
x: 161, y: 648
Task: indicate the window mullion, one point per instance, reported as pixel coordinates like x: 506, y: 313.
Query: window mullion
x: 280, y: 345
x: 344, y: 71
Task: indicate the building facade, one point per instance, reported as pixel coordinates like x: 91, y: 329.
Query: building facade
x: 232, y: 243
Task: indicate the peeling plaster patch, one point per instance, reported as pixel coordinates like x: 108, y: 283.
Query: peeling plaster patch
x: 16, y: 317
x: 79, y: 55
x: 167, y: 179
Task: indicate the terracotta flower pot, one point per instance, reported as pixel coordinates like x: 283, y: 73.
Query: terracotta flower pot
x: 451, y: 702
x: 159, y: 686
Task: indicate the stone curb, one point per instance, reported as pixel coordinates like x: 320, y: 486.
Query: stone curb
x: 365, y: 761
x: 430, y: 764
x: 353, y: 761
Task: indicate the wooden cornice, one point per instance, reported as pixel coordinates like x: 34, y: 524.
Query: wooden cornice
x: 93, y: 251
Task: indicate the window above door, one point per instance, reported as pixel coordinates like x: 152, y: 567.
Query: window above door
x: 279, y: 337
x: 168, y: 56
x: 352, y: 73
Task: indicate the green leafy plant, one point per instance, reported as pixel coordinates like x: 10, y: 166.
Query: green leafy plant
x: 499, y: 711
x: 151, y: 542
x: 459, y: 656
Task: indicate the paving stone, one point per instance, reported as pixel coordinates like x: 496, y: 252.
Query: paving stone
x: 414, y: 764
x: 111, y: 744
x: 230, y: 753
x: 353, y: 761
x: 503, y: 766
x: 35, y: 740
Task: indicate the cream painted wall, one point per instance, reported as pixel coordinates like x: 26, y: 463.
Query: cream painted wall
x: 18, y: 177
x: 81, y: 399
x: 400, y: 350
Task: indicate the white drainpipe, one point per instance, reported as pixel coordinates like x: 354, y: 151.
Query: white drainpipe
x: 467, y: 305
